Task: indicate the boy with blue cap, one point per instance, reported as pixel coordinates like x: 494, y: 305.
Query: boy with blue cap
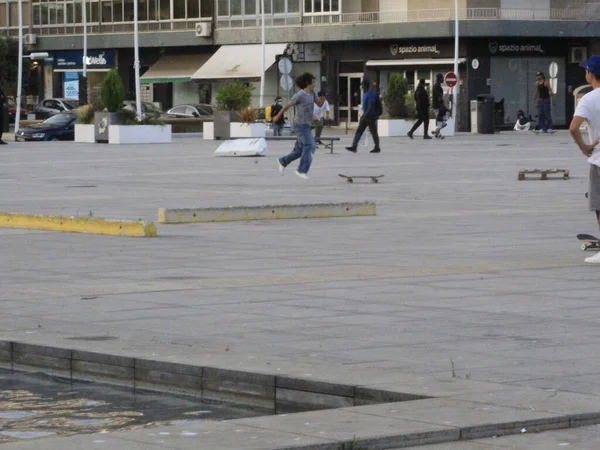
x: 588, y: 110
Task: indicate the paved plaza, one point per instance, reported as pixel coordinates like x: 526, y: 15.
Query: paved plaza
x: 465, y: 272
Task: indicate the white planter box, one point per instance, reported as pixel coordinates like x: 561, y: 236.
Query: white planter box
x: 139, y: 134
x: 400, y: 127
x: 85, y: 133
x: 208, y: 131
x: 242, y: 130
x: 393, y: 127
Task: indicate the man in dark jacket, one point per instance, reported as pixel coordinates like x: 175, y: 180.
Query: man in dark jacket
x: 368, y: 119
x: 437, y: 94
x: 275, y: 108
x: 422, y: 101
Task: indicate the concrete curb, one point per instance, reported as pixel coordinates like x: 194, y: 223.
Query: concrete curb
x: 78, y: 225
x: 266, y: 212
x: 422, y: 421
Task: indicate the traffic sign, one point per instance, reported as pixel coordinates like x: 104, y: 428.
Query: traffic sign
x: 285, y: 66
x: 286, y: 82
x: 451, y: 79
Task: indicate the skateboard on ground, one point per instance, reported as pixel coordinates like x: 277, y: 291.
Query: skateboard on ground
x: 351, y: 178
x: 592, y: 241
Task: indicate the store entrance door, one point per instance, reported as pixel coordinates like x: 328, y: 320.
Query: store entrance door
x: 350, y: 98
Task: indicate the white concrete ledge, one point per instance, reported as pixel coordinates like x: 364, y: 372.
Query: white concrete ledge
x: 266, y: 212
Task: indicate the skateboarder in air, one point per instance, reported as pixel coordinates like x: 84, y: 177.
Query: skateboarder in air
x: 304, y: 100
x: 588, y: 110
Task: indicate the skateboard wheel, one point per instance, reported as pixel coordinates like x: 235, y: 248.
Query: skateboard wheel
x: 584, y: 247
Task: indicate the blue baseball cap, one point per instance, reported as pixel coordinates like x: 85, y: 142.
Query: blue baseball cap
x: 592, y: 65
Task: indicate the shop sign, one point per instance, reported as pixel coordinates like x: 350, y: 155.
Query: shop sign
x: 96, y: 59
x: 71, y: 85
x: 407, y: 50
x: 499, y: 48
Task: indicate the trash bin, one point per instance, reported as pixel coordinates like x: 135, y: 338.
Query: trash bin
x: 485, y: 114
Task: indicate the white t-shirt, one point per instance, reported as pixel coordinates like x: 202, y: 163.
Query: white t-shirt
x: 319, y: 110
x: 589, y: 108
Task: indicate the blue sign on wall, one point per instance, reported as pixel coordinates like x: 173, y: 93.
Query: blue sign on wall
x: 96, y: 59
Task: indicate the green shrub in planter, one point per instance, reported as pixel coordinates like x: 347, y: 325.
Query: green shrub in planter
x: 395, y: 96
x: 234, y: 96
x: 112, y: 92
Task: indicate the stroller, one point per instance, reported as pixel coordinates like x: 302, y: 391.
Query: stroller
x: 523, y: 122
x: 441, y: 121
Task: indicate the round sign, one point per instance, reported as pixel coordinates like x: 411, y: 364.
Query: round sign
x: 553, y: 70
x: 451, y: 79
x: 286, y: 82
x: 285, y: 66
x: 475, y: 64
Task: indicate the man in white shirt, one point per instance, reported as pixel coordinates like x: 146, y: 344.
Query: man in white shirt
x: 588, y: 110
x: 320, y: 114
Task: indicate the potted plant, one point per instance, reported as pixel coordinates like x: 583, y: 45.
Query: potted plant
x: 396, y: 121
x: 231, y: 98
x: 130, y: 130
x: 247, y: 125
x: 112, y: 95
x: 84, y: 128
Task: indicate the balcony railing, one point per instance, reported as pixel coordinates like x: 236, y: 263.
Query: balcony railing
x: 589, y: 13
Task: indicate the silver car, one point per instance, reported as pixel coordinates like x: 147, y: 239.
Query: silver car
x: 204, y: 111
x: 52, y: 106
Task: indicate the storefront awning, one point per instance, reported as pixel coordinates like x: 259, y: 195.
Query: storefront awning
x: 415, y: 62
x: 174, y: 68
x: 232, y: 62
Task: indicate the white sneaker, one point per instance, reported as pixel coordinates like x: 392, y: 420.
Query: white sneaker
x: 551, y: 131
x: 306, y: 177
x: 281, y: 167
x: 593, y: 259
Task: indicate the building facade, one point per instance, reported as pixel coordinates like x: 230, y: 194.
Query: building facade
x: 189, y: 46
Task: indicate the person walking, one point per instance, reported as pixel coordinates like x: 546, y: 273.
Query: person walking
x: 371, y: 113
x: 422, y: 101
x: 545, y: 100
x: 588, y: 110
x: 275, y: 108
x: 2, y: 101
x: 438, y: 104
x: 304, y: 100
x: 320, y: 115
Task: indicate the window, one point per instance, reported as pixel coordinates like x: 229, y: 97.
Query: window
x: 321, y: 6
x: 223, y: 8
x: 107, y: 12
x: 236, y: 7
x: 179, y: 9
x: 249, y: 7
x: 193, y: 9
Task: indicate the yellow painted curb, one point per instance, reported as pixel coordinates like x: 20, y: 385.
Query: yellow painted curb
x: 267, y: 212
x: 78, y: 225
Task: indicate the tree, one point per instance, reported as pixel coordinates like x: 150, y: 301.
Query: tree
x: 9, y: 68
x: 113, y: 92
x: 234, y: 96
x: 395, y: 96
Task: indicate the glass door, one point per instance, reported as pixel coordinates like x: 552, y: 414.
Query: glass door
x: 350, y: 98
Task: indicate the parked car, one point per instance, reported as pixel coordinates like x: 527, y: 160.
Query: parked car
x: 53, y: 106
x: 149, y: 110
x: 59, y: 127
x: 12, y: 111
x: 204, y: 111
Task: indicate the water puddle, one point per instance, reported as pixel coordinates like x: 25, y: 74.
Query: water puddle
x: 36, y: 406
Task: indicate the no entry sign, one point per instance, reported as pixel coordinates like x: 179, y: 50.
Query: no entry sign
x: 451, y: 79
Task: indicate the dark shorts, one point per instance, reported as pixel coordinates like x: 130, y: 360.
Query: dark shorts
x: 594, y: 188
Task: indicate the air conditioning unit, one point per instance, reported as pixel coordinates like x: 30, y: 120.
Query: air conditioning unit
x: 203, y: 29
x: 578, y: 54
x: 30, y: 39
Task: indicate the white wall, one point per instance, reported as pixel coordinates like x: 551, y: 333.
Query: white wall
x: 393, y: 5
x: 185, y: 93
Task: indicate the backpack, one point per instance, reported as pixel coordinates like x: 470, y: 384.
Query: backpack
x: 378, y: 106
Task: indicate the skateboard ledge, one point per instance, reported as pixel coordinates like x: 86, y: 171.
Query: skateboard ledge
x: 90, y: 225
x: 266, y: 212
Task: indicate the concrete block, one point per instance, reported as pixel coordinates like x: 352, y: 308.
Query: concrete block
x: 316, y: 386
x: 289, y: 400
x: 245, y: 387
x: 78, y: 225
x: 267, y: 212
x: 54, y: 352
x: 97, y: 371
x: 6, y: 351
x: 167, y: 381
x: 168, y: 367
x: 25, y: 361
x: 369, y: 396
x: 103, y: 358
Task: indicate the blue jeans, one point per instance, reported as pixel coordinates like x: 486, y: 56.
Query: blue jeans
x: 544, y: 110
x: 304, y: 149
x: 277, y: 128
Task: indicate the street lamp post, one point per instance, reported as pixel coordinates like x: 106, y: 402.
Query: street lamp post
x: 136, y: 62
x: 84, y: 11
x: 457, y: 87
x: 20, y: 67
x: 263, y: 56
